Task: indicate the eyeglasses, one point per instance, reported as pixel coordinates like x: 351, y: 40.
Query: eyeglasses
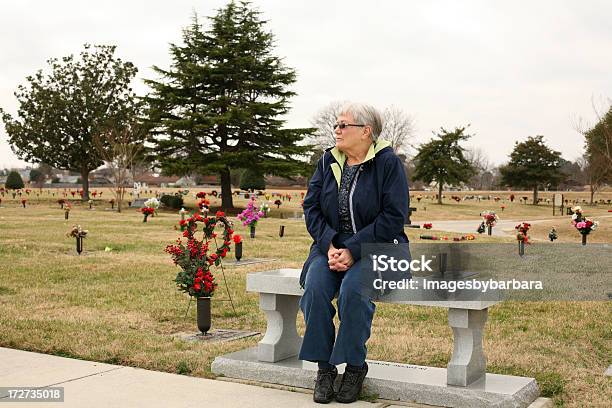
x: 345, y: 125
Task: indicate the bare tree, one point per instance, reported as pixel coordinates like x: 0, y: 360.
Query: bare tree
x: 598, y: 146
x: 323, y: 122
x: 398, y: 128
x: 120, y: 148
x: 596, y: 171
x: 483, y: 178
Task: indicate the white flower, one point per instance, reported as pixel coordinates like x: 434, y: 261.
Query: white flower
x: 152, y: 202
x: 182, y: 211
x: 574, y: 216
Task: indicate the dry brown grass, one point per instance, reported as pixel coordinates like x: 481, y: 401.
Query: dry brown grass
x: 122, y: 307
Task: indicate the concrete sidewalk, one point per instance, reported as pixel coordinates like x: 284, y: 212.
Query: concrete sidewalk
x: 503, y: 227
x: 90, y: 384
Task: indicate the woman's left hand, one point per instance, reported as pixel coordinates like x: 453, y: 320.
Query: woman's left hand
x: 344, y: 260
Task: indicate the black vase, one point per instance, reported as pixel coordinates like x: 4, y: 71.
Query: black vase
x: 252, y: 231
x: 79, y: 245
x: 203, y: 312
x: 489, y: 229
x: 238, y: 251
x: 521, y: 248
x: 584, y: 239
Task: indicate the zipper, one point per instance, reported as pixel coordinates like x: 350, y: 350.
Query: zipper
x: 353, y: 185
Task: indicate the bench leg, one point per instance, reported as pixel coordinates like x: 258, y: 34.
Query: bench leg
x: 281, y: 340
x: 468, y: 363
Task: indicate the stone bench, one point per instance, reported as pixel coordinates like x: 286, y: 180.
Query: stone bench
x: 464, y: 383
x: 279, y: 295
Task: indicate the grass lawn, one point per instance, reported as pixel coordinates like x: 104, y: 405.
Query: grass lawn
x: 121, y: 306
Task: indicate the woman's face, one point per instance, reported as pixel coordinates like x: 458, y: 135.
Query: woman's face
x: 351, y: 136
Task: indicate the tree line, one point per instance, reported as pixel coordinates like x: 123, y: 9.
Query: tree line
x: 218, y: 108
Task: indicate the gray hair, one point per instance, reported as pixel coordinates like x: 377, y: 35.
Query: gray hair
x: 365, y: 115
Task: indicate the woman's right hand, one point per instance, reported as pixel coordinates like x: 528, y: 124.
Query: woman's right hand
x: 333, y: 254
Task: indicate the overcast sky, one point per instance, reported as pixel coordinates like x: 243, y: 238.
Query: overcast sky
x: 510, y: 69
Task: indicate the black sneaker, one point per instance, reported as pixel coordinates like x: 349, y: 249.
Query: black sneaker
x: 324, y: 386
x: 352, y: 380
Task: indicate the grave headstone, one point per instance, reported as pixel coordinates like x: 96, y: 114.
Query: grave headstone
x: 138, y: 203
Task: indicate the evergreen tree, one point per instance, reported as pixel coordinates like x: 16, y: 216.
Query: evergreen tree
x: 218, y: 106
x: 443, y: 160
x: 14, y: 181
x: 60, y: 113
x: 36, y: 176
x: 532, y: 165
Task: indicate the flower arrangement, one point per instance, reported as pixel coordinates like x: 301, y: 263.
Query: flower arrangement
x: 251, y: 214
x: 152, y: 203
x: 489, y: 218
x: 23, y: 202
x: 201, y: 194
x: 76, y: 232
x: 61, y: 202
x: 147, y: 211
x: 428, y: 225
x: 278, y: 203
x: 521, y: 234
x: 196, y: 257
x: 552, y: 235
x: 265, y: 209
x: 586, y: 226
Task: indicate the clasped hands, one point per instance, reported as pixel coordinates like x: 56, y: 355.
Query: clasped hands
x: 339, y: 260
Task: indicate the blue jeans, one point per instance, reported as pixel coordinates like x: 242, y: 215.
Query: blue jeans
x: 355, y: 311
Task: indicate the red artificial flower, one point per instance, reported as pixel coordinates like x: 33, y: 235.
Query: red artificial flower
x: 237, y: 239
x: 220, y: 214
x: 197, y: 286
x: 201, y: 194
x: 212, y: 259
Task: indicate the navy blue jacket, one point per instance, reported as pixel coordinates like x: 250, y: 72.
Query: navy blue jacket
x: 379, y: 202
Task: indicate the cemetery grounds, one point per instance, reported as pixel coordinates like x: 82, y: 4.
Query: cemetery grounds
x: 117, y: 302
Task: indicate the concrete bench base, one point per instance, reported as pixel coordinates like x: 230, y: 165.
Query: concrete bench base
x: 392, y: 381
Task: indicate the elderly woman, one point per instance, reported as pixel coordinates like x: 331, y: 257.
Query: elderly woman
x: 357, y: 195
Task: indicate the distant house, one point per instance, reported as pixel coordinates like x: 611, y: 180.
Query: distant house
x: 276, y: 181
x: 185, y: 181
x: 155, y: 179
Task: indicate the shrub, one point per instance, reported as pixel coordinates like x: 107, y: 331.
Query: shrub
x: 172, y: 201
x: 14, y: 181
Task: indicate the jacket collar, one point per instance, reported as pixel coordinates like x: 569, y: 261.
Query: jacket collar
x: 341, y: 157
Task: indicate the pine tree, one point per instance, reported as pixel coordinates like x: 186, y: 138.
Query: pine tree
x: 218, y: 106
x: 442, y: 160
x: 532, y: 165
